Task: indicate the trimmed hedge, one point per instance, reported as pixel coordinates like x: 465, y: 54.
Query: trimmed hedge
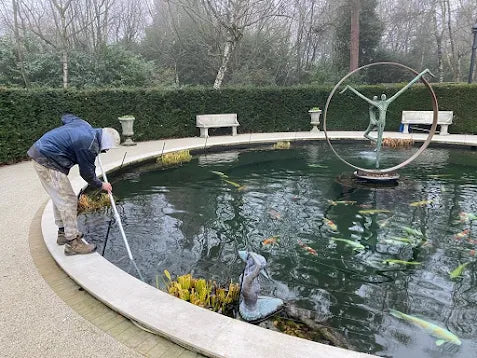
x: 26, y: 114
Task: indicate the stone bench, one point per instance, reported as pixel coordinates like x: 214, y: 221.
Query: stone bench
x: 444, y: 119
x: 206, y: 121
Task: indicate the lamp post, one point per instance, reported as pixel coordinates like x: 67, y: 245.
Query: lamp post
x: 472, y: 58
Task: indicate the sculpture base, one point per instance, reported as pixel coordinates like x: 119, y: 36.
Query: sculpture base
x: 266, y: 306
x: 128, y: 142
x: 381, y: 177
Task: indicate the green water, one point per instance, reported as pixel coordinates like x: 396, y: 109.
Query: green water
x: 188, y: 219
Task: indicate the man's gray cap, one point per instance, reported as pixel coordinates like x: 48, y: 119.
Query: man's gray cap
x: 109, y: 138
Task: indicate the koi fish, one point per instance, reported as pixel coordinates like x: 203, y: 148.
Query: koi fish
x: 308, y: 248
x: 466, y: 217
x: 384, y: 222
x: 401, y: 262
x: 373, y: 211
x: 237, y: 185
x: 355, y: 245
x: 458, y: 271
x: 274, y: 214
x: 393, y: 242
x: 462, y: 234
x: 330, y: 224
x: 341, y: 202
x: 420, y: 203
x: 220, y: 174
x: 317, y: 166
x: 412, y: 231
x: 402, y: 239
x: 270, y: 241
x: 440, y: 333
x: 365, y: 206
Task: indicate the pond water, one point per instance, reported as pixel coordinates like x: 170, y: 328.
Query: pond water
x: 289, y: 207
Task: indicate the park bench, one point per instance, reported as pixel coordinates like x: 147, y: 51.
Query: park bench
x: 206, y: 121
x: 444, y: 119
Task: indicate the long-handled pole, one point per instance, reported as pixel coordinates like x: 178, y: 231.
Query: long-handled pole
x: 118, y: 220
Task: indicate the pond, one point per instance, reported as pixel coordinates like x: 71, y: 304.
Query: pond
x: 351, y: 254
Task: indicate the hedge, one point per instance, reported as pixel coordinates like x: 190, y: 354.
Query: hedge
x: 26, y: 114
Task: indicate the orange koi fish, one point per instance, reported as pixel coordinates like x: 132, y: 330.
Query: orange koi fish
x: 330, y: 224
x: 462, y: 234
x: 274, y: 214
x: 270, y: 241
x: 308, y: 248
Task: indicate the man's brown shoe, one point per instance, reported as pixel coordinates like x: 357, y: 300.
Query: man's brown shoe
x: 78, y: 246
x: 61, y: 239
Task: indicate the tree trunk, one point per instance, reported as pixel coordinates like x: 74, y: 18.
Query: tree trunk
x: 19, y: 45
x: 229, y: 47
x: 354, y: 35
x: 65, y: 68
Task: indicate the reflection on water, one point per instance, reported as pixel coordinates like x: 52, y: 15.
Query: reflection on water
x: 188, y: 219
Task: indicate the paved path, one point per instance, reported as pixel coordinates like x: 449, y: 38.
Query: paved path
x: 34, y: 320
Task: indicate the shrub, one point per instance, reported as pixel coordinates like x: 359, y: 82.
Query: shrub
x: 26, y: 114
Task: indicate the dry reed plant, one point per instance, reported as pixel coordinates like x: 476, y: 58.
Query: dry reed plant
x: 173, y: 158
x: 93, y: 202
x: 398, y: 143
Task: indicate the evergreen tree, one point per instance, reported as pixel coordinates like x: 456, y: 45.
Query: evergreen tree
x: 370, y: 31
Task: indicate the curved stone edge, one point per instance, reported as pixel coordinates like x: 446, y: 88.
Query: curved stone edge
x: 190, y: 326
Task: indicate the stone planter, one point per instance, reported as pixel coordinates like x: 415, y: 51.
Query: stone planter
x: 315, y: 120
x: 127, y: 123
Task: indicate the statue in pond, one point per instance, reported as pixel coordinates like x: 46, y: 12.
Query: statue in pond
x: 380, y: 107
x: 254, y: 307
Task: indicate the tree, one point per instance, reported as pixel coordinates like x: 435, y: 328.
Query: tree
x: 370, y: 30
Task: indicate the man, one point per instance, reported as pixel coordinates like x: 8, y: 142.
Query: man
x: 75, y: 142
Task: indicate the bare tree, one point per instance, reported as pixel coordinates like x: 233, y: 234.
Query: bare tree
x: 234, y: 16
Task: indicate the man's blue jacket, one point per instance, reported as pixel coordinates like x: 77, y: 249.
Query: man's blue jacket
x: 75, y: 142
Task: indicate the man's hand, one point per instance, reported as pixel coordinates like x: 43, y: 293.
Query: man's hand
x: 107, y: 187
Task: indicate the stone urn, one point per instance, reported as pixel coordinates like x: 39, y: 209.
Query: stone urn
x: 315, y: 119
x: 127, y: 123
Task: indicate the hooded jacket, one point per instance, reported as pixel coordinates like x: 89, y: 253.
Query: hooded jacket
x: 75, y: 142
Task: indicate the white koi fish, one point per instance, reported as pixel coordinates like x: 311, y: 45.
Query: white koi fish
x: 440, y: 333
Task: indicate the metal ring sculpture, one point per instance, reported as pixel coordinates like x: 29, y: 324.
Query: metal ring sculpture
x: 423, y: 146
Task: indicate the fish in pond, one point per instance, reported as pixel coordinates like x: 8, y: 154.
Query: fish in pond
x: 384, y: 222
x: 274, y: 214
x: 458, y: 271
x: 393, y: 242
x: 401, y: 262
x: 440, y: 333
x: 317, y: 166
x: 308, y: 248
x: 365, y: 206
x: 220, y: 174
x: 462, y: 234
x: 421, y: 203
x: 466, y: 217
x: 437, y: 176
x: 270, y: 241
x: 341, y: 202
x: 355, y: 245
x: 330, y: 224
x: 373, y: 211
x: 412, y: 231
x: 237, y: 185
